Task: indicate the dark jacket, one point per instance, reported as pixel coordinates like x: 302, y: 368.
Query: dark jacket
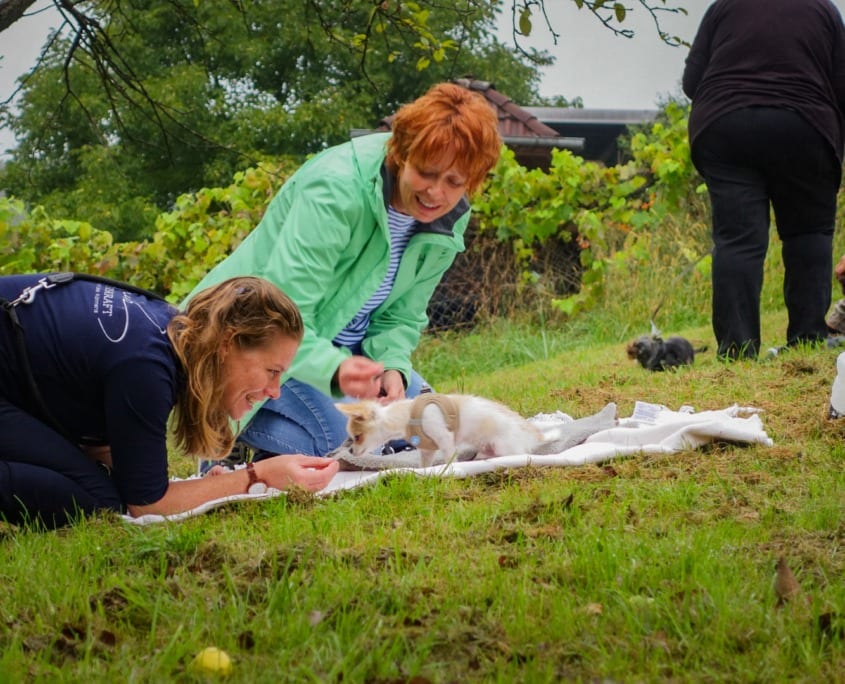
x: 769, y: 53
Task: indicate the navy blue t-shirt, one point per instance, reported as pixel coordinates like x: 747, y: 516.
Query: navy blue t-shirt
x: 106, y: 370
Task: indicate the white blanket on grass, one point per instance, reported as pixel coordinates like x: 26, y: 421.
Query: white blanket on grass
x: 651, y: 429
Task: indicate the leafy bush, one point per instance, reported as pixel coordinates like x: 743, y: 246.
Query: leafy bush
x: 201, y: 231
x: 614, y: 213
x: 642, y: 224
x: 35, y: 242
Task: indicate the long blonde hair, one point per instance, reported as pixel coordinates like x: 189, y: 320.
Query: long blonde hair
x: 251, y: 312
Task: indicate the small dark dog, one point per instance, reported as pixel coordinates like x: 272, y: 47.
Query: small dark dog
x: 656, y: 354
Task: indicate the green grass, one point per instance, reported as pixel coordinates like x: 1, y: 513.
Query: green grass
x: 649, y: 568
x: 656, y: 567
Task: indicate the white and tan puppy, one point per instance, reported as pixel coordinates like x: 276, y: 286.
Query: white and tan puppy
x: 460, y: 426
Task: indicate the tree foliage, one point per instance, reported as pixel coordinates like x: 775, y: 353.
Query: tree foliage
x: 148, y: 99
x: 133, y: 102
x: 612, y: 213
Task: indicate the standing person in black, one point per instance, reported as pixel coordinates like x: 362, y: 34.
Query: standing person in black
x: 767, y: 84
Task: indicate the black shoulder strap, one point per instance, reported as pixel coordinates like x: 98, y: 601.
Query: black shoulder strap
x: 32, y: 386
x: 66, y: 277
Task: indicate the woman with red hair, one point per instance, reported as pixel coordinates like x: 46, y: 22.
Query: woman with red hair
x: 359, y: 237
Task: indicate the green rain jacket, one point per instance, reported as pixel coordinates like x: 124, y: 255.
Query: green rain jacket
x: 324, y: 241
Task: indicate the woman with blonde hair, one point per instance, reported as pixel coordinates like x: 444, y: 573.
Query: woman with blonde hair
x: 90, y: 372
x: 359, y: 237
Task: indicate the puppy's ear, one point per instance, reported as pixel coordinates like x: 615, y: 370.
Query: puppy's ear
x: 349, y: 410
x: 360, y: 410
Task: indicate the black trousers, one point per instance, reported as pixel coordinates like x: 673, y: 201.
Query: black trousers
x: 754, y: 161
x: 44, y: 479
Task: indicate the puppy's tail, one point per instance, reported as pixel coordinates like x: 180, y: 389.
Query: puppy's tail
x: 571, y: 433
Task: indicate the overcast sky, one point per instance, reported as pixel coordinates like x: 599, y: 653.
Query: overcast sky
x: 606, y: 71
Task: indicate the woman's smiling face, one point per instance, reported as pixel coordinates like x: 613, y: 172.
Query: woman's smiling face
x: 431, y: 190
x: 253, y: 374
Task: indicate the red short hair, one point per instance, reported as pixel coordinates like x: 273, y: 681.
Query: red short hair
x: 447, y: 117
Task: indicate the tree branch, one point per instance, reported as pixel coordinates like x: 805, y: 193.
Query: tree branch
x: 12, y: 10
x: 611, y: 15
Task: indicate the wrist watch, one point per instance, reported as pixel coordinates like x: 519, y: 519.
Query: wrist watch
x: 255, y: 485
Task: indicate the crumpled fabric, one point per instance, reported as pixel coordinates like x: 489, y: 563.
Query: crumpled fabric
x: 652, y: 428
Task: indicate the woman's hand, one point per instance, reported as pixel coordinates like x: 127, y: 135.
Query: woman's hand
x: 360, y: 377
x: 392, y: 387
x: 312, y: 473
x: 309, y: 472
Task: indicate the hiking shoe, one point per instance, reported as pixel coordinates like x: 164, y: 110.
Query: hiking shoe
x: 773, y: 352
x: 396, y: 446
x: 239, y: 455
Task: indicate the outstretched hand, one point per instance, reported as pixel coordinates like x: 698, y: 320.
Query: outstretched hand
x: 392, y: 387
x: 312, y: 473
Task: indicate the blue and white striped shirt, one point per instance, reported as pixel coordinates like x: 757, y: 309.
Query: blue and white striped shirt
x: 401, y: 228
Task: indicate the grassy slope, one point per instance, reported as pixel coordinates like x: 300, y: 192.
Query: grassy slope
x: 656, y: 567
x: 651, y: 568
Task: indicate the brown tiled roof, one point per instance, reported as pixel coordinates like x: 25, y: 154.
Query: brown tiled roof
x: 514, y: 121
x: 530, y: 139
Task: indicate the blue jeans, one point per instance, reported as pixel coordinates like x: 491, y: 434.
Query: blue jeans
x: 303, y: 420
